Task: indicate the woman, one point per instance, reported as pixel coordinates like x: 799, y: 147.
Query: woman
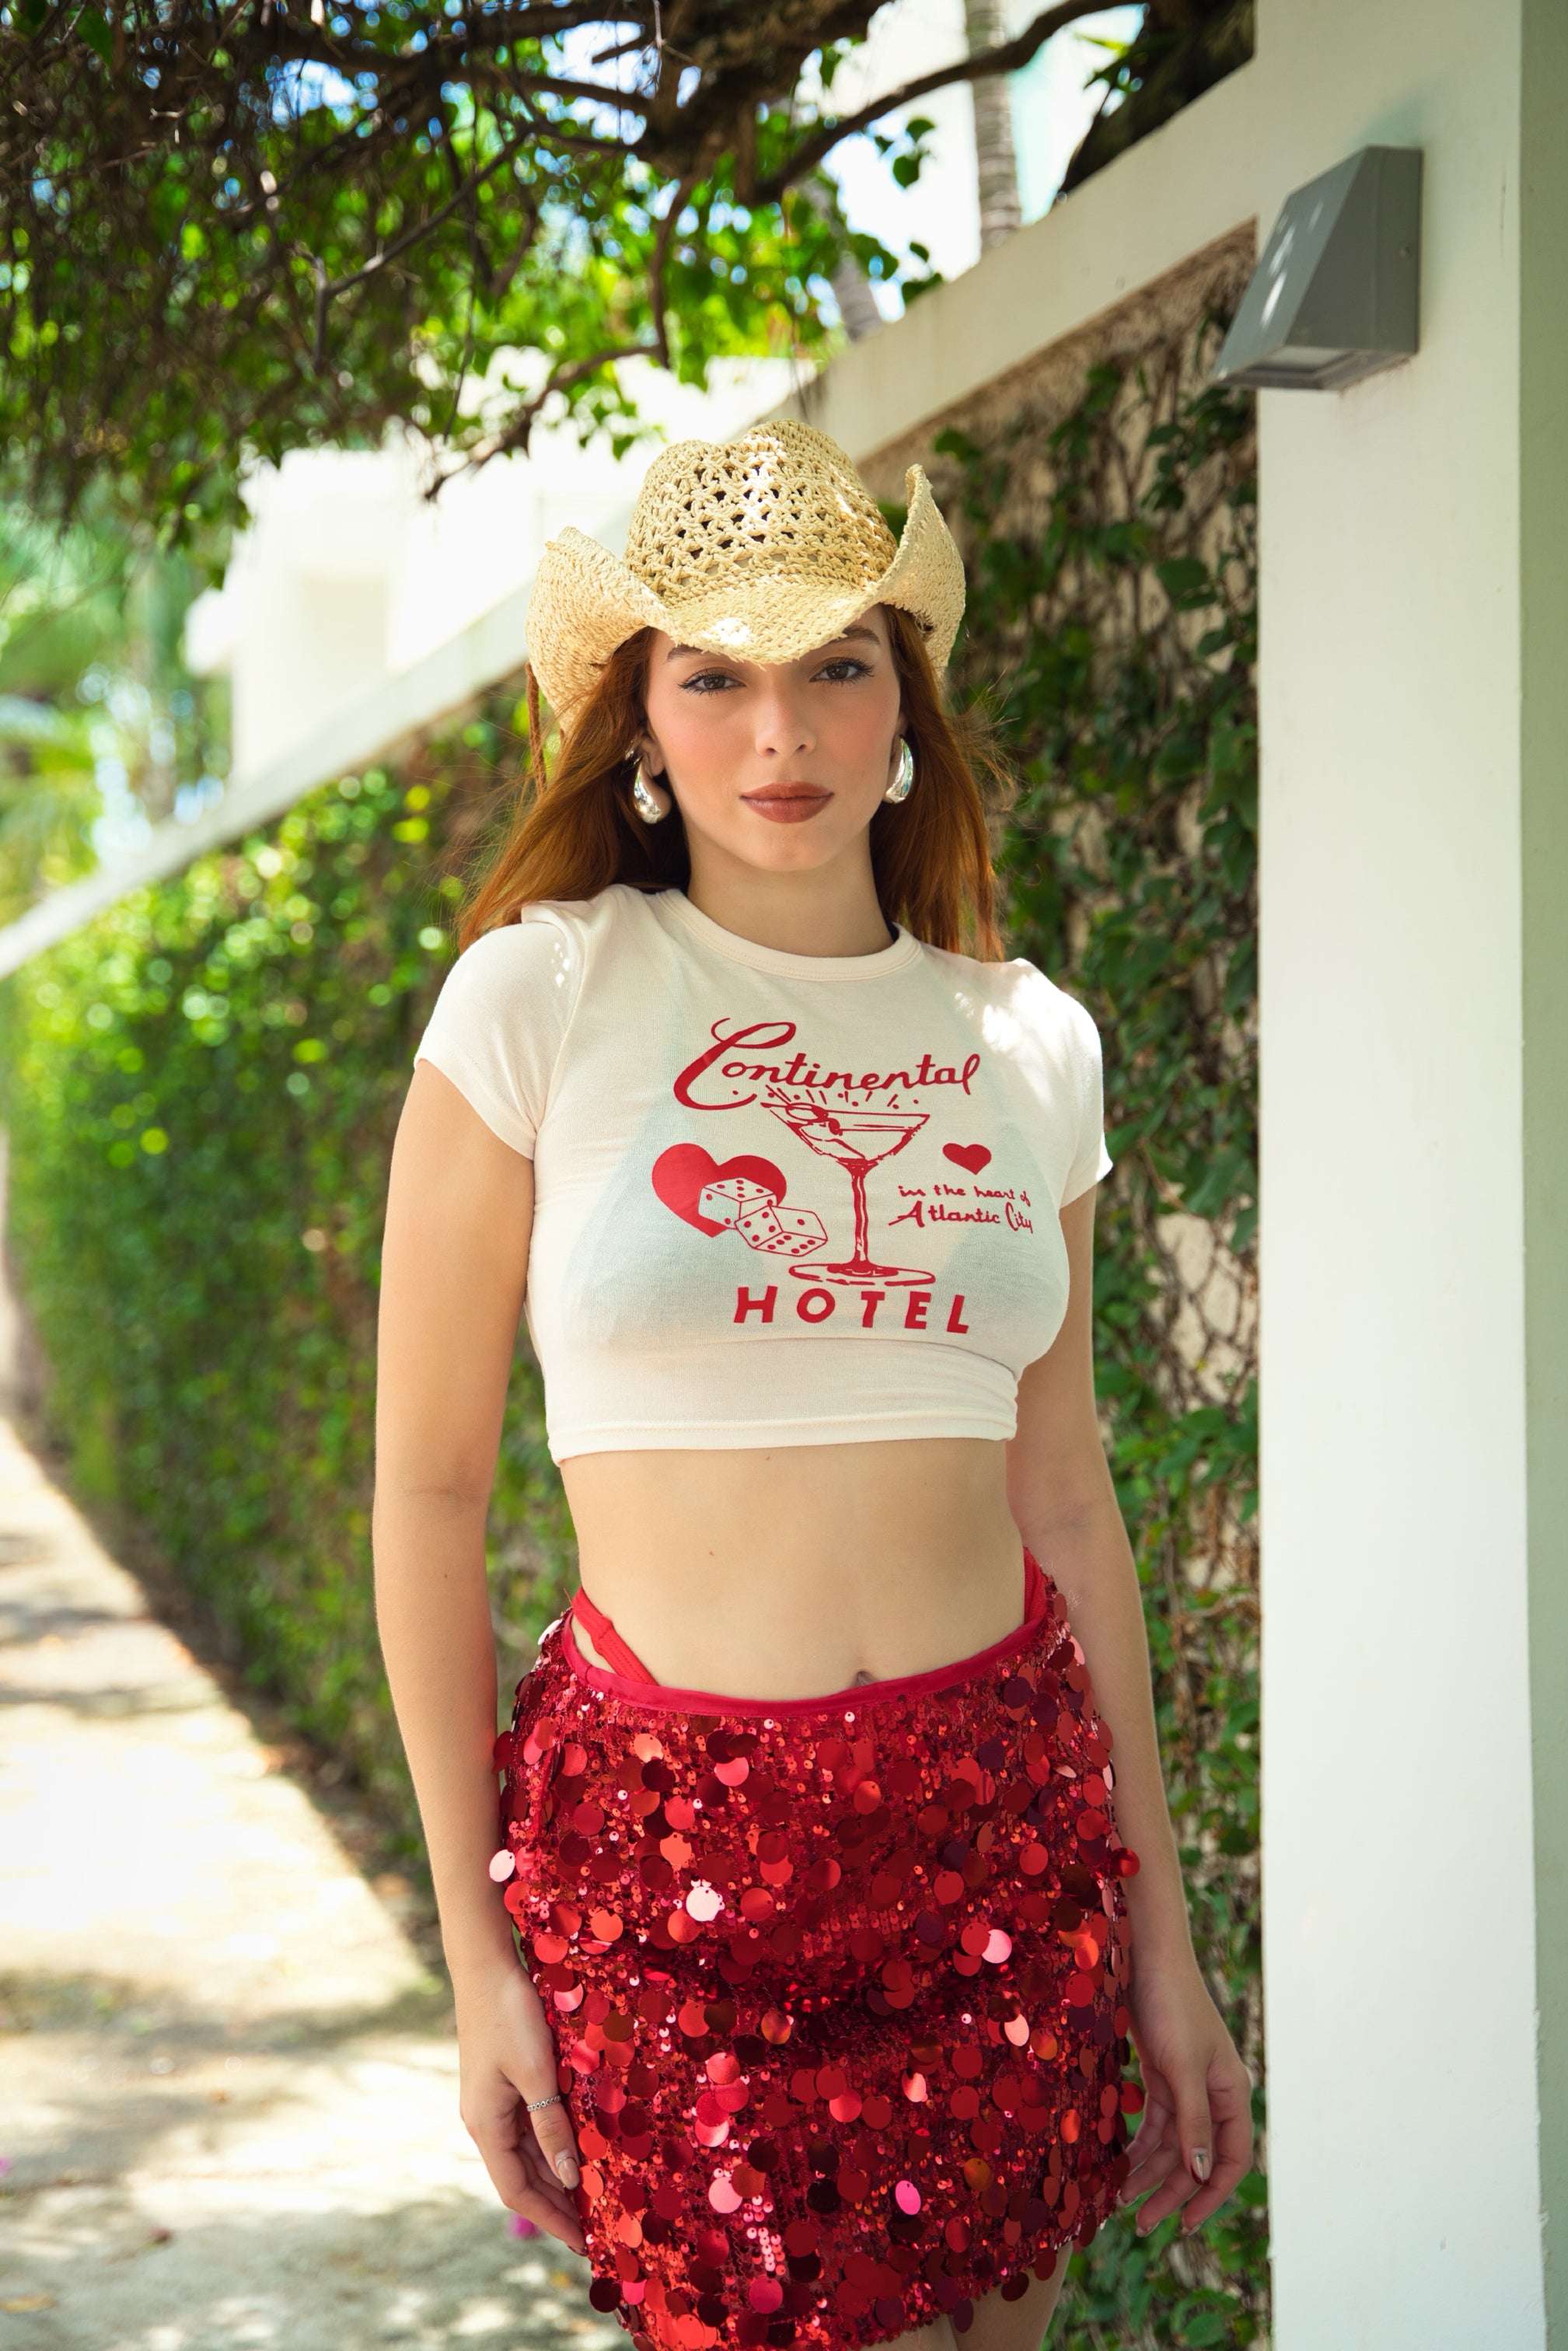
x: 810, y: 1841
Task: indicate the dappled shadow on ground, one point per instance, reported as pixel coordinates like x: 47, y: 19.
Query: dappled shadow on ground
x: 188, y: 2181
x: 228, y: 2108
x: 189, y: 2185
x: 116, y: 2066
x: 420, y: 2270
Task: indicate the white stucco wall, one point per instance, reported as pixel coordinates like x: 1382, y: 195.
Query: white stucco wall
x: 1397, y: 1808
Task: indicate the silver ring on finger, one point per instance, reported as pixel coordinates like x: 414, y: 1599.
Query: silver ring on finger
x: 534, y: 2104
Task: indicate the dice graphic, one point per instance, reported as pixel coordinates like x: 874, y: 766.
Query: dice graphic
x: 759, y: 1226
x: 799, y: 1233
x: 726, y: 1203
x: 753, y: 1211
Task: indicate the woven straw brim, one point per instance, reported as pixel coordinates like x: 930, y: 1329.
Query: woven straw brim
x: 586, y: 602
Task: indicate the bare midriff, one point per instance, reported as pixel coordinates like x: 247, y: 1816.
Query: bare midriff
x: 797, y: 1571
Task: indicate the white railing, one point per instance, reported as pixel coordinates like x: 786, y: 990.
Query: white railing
x: 445, y: 683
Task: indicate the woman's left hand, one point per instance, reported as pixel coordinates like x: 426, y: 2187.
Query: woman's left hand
x: 1195, y: 2141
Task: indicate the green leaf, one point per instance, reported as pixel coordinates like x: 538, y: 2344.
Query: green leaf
x: 1186, y: 580
x: 94, y: 30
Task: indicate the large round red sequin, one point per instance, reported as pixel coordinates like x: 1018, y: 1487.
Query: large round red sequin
x: 837, y: 1993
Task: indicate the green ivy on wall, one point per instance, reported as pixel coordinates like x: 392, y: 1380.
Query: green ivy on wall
x: 1117, y: 604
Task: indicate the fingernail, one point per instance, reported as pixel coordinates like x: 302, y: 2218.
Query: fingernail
x: 566, y: 2170
x: 1197, y: 2163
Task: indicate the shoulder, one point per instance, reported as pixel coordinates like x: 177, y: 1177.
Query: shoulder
x: 522, y: 979
x: 505, y: 1008
x: 547, y: 944
x: 1019, y: 1004
x: 534, y: 937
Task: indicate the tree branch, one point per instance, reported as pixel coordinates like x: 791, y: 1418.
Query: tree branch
x: 293, y: 37
x: 1008, y: 58
x: 517, y: 432
x: 400, y: 245
x: 673, y: 212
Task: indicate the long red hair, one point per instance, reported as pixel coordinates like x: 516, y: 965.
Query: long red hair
x: 574, y: 833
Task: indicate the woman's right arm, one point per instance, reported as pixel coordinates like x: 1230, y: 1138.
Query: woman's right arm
x: 454, y: 1266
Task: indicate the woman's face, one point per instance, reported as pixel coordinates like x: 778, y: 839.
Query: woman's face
x: 780, y: 767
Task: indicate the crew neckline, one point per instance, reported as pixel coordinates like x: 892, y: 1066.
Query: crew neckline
x: 897, y: 956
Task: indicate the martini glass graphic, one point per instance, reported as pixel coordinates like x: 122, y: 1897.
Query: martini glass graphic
x: 857, y: 1139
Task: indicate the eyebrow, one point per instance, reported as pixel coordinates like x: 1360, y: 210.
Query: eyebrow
x: 845, y: 636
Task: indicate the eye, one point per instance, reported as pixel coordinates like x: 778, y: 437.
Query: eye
x: 841, y: 671
x: 708, y: 681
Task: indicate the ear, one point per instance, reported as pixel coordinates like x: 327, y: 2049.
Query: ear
x: 648, y: 751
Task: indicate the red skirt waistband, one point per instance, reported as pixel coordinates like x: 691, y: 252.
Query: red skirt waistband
x: 640, y: 1687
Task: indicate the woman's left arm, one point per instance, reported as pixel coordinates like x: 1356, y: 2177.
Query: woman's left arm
x: 1194, y: 2142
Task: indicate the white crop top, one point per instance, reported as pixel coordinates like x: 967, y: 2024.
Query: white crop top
x: 779, y: 1199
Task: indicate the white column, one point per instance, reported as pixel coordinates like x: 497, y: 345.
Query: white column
x: 1400, y: 1150
x: 1544, y: 794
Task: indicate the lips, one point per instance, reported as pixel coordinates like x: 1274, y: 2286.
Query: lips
x: 787, y: 803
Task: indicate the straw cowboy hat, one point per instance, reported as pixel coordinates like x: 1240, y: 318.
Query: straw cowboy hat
x: 763, y: 547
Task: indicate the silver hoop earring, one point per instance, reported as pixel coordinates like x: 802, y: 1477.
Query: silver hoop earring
x: 651, y: 804
x: 899, y: 789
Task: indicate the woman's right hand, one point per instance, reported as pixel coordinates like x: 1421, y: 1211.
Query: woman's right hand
x: 508, y: 2059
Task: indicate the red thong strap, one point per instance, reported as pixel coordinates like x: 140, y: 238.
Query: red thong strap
x: 625, y: 1660
x: 617, y: 1656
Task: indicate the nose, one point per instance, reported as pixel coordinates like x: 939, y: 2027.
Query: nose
x: 783, y: 722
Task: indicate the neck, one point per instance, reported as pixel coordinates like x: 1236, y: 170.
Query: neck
x: 831, y: 910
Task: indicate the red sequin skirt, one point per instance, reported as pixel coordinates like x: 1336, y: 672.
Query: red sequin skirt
x: 837, y: 1986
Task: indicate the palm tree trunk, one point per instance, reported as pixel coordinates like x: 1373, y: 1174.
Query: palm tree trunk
x: 857, y: 303
x: 1001, y: 212
x: 851, y: 286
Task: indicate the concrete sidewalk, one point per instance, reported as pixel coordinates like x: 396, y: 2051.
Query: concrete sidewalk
x: 227, y: 2084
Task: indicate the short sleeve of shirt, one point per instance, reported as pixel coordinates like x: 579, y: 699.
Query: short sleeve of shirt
x: 1091, y: 1160
x: 500, y: 1020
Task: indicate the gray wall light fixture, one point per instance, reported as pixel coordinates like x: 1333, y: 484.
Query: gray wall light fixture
x: 1337, y: 293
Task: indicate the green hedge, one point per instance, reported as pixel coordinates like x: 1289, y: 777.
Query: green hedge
x: 202, y: 1090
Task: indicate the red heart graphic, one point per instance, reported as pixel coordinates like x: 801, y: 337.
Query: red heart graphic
x: 972, y: 1155
x: 681, y: 1173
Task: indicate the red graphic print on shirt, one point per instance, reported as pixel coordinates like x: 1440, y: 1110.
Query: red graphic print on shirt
x: 858, y: 1136
x: 853, y: 1119
x: 712, y: 1082
x: 686, y: 1172
x: 857, y: 1121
